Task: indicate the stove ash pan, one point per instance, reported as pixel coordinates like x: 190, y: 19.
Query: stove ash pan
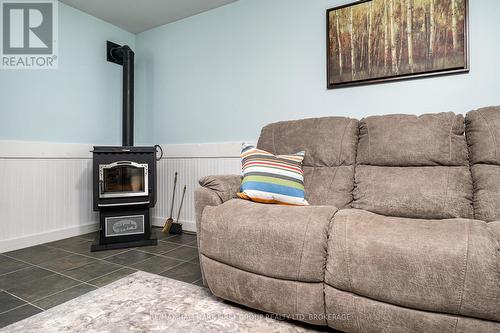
x: 124, y: 177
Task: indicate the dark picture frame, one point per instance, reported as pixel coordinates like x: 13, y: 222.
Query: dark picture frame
x: 381, y: 32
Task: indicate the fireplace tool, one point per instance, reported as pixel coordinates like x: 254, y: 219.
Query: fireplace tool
x: 170, y: 220
x: 177, y: 226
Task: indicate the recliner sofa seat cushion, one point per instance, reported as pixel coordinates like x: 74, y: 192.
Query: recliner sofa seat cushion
x: 284, y: 242
x: 432, y: 192
x: 449, y: 266
x: 330, y: 145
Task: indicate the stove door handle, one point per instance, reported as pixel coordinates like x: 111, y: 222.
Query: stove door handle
x: 124, y: 204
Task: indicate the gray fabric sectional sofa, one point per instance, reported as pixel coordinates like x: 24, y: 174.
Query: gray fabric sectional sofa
x: 402, y: 234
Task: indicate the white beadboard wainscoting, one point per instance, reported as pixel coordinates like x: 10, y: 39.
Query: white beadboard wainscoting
x: 189, y: 171
x: 45, y: 193
x: 191, y: 162
x: 46, y: 188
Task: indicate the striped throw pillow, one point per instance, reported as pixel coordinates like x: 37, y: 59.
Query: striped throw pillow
x: 269, y: 178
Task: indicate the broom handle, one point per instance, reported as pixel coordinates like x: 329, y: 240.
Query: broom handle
x: 173, y: 195
x: 180, y: 206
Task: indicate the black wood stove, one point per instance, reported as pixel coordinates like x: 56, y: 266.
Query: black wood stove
x: 124, y: 177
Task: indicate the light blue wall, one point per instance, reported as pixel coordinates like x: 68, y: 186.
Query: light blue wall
x: 221, y: 75
x: 80, y: 101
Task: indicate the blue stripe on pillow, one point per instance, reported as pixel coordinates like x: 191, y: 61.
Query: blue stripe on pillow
x: 272, y: 188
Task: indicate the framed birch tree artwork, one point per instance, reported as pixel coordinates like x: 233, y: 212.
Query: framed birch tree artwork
x: 383, y: 40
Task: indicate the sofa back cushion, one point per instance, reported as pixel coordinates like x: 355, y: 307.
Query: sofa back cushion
x: 413, y: 166
x: 408, y: 140
x: 483, y: 139
x: 330, y: 154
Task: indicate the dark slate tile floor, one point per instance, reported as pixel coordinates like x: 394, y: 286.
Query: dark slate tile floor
x: 37, y: 278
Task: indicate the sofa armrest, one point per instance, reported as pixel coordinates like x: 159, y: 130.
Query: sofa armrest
x: 214, y: 191
x: 225, y: 186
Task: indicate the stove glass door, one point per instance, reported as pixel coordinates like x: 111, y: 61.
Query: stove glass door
x: 123, y: 179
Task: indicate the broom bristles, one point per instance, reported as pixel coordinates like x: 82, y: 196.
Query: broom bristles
x: 167, y: 226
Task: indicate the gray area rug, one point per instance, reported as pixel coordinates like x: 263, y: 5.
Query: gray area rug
x: 144, y: 302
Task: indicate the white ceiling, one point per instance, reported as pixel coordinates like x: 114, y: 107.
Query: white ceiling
x: 140, y: 15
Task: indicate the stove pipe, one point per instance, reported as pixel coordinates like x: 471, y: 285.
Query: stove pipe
x: 124, y: 56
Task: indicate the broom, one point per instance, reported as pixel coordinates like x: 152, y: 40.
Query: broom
x: 170, y: 220
x: 176, y: 226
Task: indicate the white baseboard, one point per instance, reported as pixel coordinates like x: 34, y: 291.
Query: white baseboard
x: 186, y: 225
x: 49, y: 236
